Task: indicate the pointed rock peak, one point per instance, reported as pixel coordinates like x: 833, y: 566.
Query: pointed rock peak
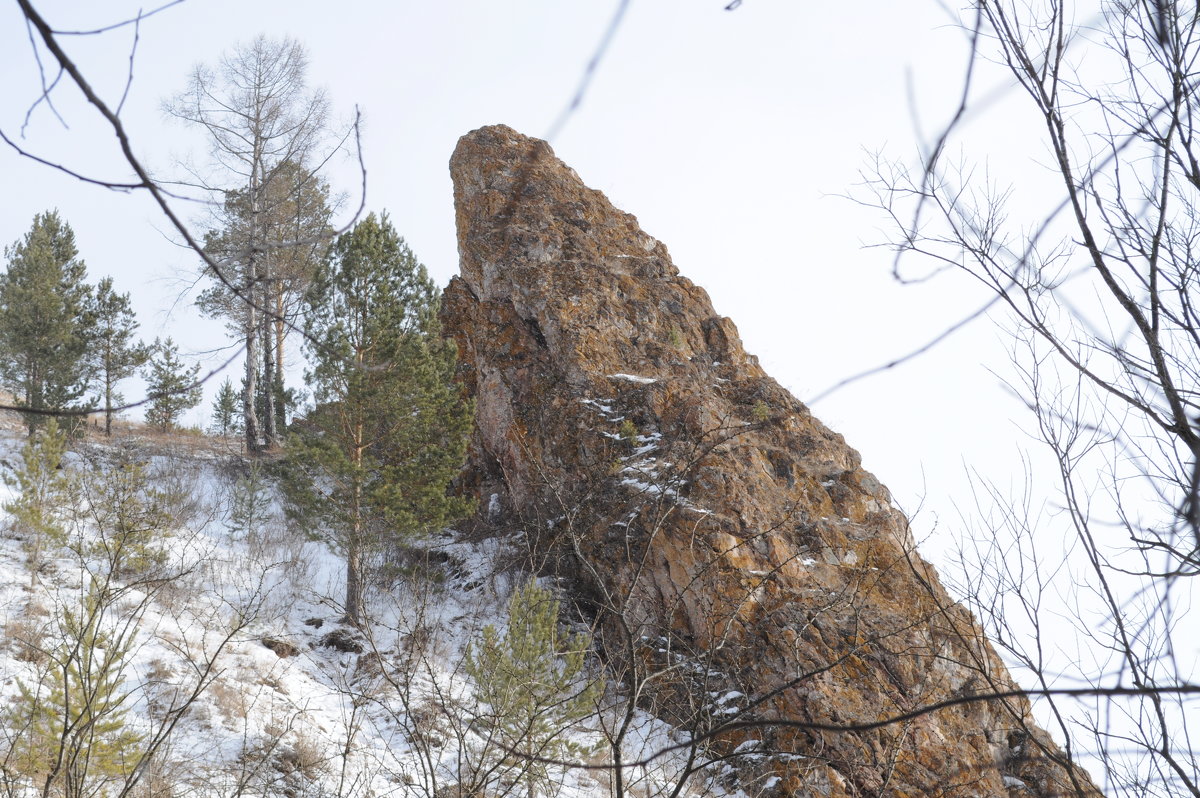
x: 540, y: 210
x: 739, y: 561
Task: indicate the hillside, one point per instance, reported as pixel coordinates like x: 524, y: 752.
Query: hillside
x: 236, y: 671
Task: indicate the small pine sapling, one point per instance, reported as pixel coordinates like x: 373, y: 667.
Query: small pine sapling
x: 173, y: 387
x: 250, y: 503
x: 227, y: 411
x: 132, y: 518
x: 629, y: 433
x: 534, y: 691
x: 43, y: 489
x: 73, y: 737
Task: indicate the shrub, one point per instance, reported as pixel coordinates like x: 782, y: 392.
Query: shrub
x: 38, y: 516
x: 534, y: 690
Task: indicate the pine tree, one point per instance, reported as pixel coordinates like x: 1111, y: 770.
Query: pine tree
x: 389, y: 430
x: 72, y: 732
x: 130, y: 515
x: 249, y: 505
x: 534, y: 689
x: 46, y: 324
x: 226, y: 411
x: 173, y: 387
x: 43, y: 489
x: 115, y: 354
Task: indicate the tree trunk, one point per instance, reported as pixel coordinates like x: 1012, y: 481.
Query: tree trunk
x: 270, y: 431
x: 250, y: 394
x: 355, y: 544
x: 280, y: 334
x: 354, y: 584
x: 108, y: 412
x: 249, y: 412
x: 33, y: 397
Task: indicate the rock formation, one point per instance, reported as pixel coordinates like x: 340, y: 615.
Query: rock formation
x: 739, y: 562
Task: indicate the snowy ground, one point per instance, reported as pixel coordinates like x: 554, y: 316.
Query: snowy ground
x: 241, y: 679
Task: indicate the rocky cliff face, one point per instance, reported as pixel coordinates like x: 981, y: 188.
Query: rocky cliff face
x: 740, y: 563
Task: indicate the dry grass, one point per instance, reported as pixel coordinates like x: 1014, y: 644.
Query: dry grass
x: 10, y: 419
x: 231, y: 701
x: 162, y: 689
x: 183, y: 440
x: 305, y: 755
x: 25, y: 634
x: 162, y: 778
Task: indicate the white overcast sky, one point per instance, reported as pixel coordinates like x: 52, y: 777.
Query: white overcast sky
x: 732, y: 136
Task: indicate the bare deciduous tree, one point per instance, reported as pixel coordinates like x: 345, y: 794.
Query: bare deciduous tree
x: 1099, y: 293
x: 263, y: 125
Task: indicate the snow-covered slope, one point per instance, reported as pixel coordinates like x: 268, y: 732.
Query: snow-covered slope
x: 232, y: 670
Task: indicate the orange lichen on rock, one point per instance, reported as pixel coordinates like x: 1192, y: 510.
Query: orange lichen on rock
x: 700, y: 511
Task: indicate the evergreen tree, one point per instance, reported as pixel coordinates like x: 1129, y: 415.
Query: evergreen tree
x: 130, y: 514
x: 115, y: 354
x: 173, y: 387
x: 46, y: 323
x: 72, y: 733
x: 390, y: 427
x: 534, y: 689
x: 43, y: 488
x: 226, y: 411
x: 68, y: 727
x: 250, y: 503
